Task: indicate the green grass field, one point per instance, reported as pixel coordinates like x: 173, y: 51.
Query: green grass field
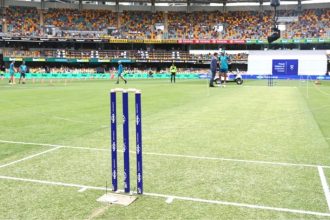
x: 240, y: 152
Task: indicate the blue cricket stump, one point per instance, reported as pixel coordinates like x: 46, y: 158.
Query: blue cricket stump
x: 138, y: 129
x: 113, y: 122
x: 270, y: 80
x: 138, y: 120
x: 126, y: 143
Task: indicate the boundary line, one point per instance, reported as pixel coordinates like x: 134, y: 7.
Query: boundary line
x: 29, y: 157
x: 324, y: 185
x: 192, y: 199
x: 178, y: 155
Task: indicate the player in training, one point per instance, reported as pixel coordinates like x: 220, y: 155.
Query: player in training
x: 12, y: 71
x: 120, y: 72
x: 22, y: 70
x: 224, y: 61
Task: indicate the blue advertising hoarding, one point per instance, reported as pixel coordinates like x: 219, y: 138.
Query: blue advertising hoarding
x: 285, y: 67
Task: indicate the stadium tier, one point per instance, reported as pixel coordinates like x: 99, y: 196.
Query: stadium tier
x: 243, y: 25
x: 116, y: 54
x: 84, y: 39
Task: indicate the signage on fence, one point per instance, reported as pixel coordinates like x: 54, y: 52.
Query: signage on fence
x: 118, y: 41
x: 82, y: 60
x: 147, y: 41
x: 285, y: 67
x: 12, y: 59
x: 122, y: 60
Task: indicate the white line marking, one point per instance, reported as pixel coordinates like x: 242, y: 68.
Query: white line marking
x: 52, y: 183
x: 324, y: 185
x: 169, y: 200
x: 70, y: 120
x: 177, y: 155
x: 82, y: 189
x: 29, y: 157
x: 77, y: 121
x: 237, y: 160
x: 207, y: 158
x: 242, y: 205
x: 29, y: 143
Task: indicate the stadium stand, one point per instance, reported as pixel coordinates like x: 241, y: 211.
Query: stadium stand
x: 84, y: 20
x: 177, y: 25
x: 147, y: 39
x: 105, y: 54
x: 140, y: 25
x: 312, y: 23
x: 23, y: 20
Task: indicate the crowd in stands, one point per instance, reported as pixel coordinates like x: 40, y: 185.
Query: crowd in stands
x: 247, y: 24
x: 176, y: 25
x: 62, y: 69
x: 312, y: 23
x: 84, y: 20
x: 111, y: 54
x: 189, y: 25
x: 79, y: 34
x: 137, y: 25
x: 233, y: 57
x: 13, y: 52
x: 251, y: 25
x: 23, y: 20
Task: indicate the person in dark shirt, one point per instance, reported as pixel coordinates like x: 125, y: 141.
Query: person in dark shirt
x: 23, y: 71
x: 213, y: 68
x: 2, y: 71
x: 173, y: 71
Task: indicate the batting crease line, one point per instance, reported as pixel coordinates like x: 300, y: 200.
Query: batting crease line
x: 236, y: 204
x: 177, y: 155
x: 324, y: 185
x: 77, y: 121
x: 29, y: 157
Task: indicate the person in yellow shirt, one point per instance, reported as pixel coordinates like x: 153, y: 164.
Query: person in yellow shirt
x: 173, y: 71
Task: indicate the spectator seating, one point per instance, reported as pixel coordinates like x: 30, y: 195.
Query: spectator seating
x: 177, y: 25
x: 23, y: 20
x: 115, y: 54
x: 84, y: 20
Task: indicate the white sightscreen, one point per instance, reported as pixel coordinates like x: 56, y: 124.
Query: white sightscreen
x: 311, y: 62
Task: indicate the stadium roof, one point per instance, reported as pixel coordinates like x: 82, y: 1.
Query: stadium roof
x: 241, y: 2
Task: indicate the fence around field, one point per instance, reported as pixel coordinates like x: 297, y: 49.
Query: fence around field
x: 143, y: 75
x: 136, y: 75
